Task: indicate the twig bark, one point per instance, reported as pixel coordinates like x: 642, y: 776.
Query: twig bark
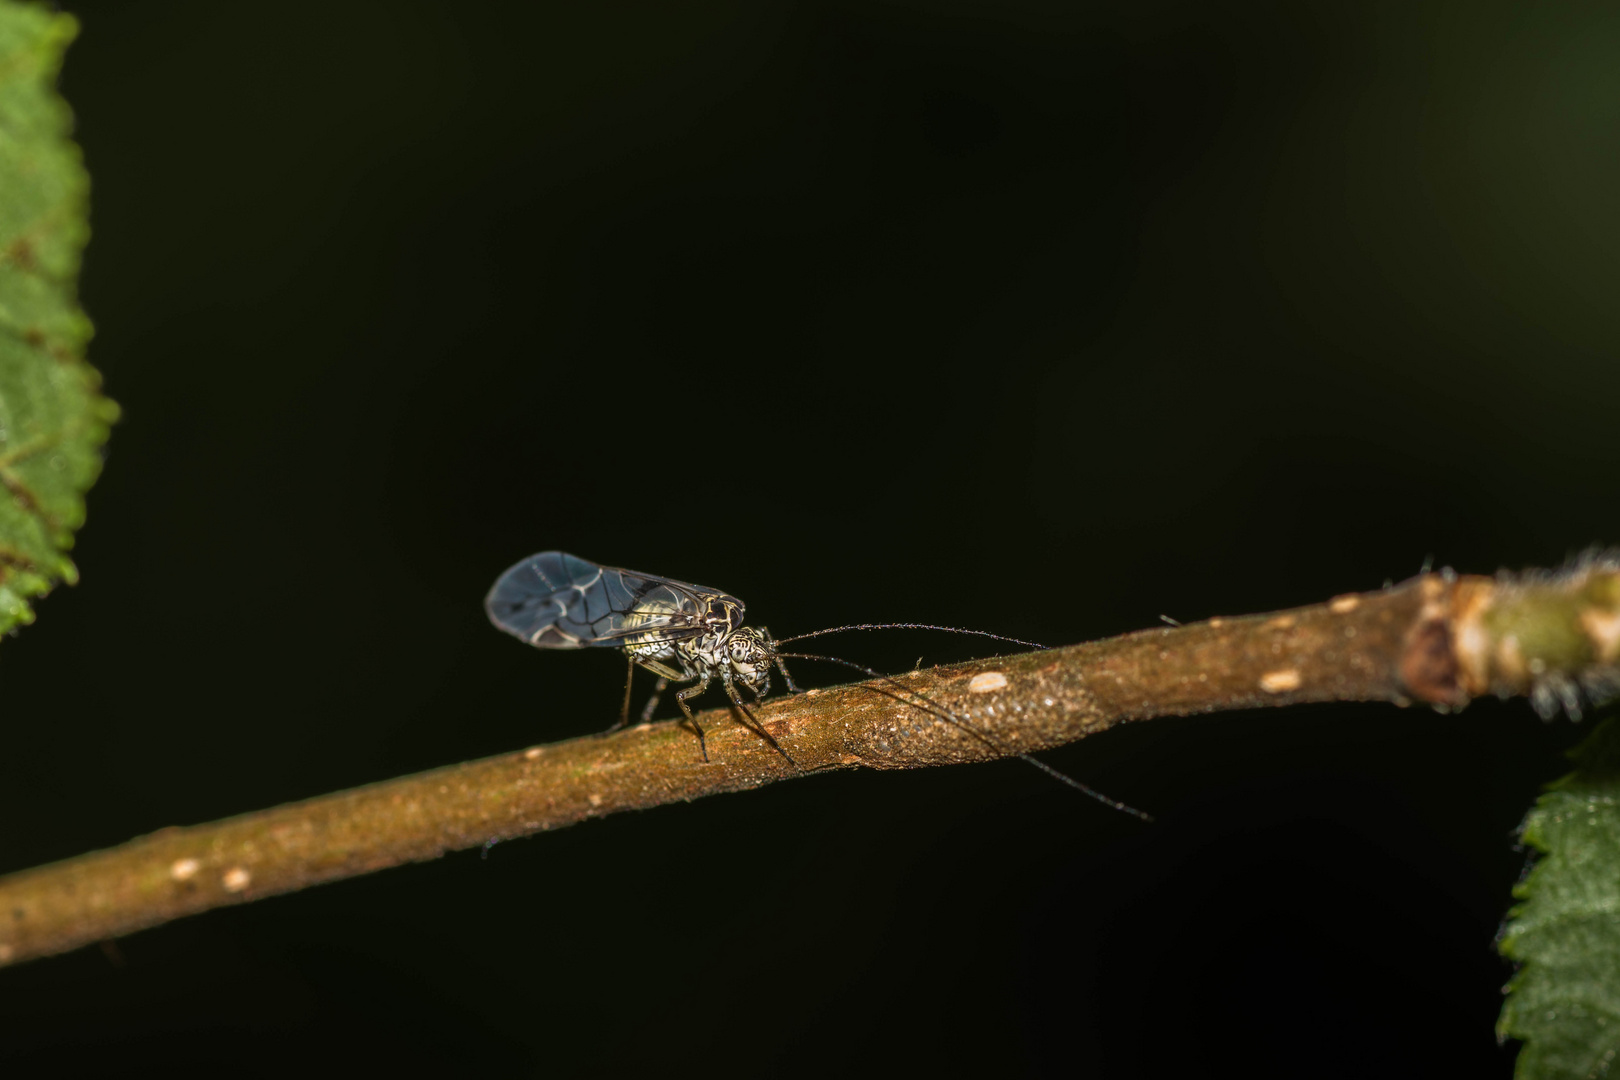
x: 1439, y: 639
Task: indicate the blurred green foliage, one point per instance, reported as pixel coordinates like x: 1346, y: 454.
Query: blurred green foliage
x: 53, y: 419
x: 1563, y: 1002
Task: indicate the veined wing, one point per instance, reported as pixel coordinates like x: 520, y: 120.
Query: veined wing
x: 554, y: 600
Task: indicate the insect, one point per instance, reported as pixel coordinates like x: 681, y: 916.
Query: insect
x: 682, y: 633
x: 679, y: 631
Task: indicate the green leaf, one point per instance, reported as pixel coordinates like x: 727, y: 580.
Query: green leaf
x: 1564, y: 1002
x: 53, y: 419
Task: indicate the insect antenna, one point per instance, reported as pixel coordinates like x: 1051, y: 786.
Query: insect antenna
x: 908, y: 697
x: 911, y: 626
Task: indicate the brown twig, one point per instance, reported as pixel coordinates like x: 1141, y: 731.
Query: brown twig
x: 1439, y: 639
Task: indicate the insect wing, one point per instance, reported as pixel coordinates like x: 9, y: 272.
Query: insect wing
x: 554, y: 600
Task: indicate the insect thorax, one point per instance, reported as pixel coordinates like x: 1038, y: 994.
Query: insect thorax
x: 746, y: 651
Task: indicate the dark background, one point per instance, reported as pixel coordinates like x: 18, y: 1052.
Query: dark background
x: 1042, y: 318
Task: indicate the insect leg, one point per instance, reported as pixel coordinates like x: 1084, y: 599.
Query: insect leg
x: 664, y: 672
x: 680, y: 699
x: 652, y: 703
x: 752, y: 724
x: 776, y: 658
x: 624, y: 712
